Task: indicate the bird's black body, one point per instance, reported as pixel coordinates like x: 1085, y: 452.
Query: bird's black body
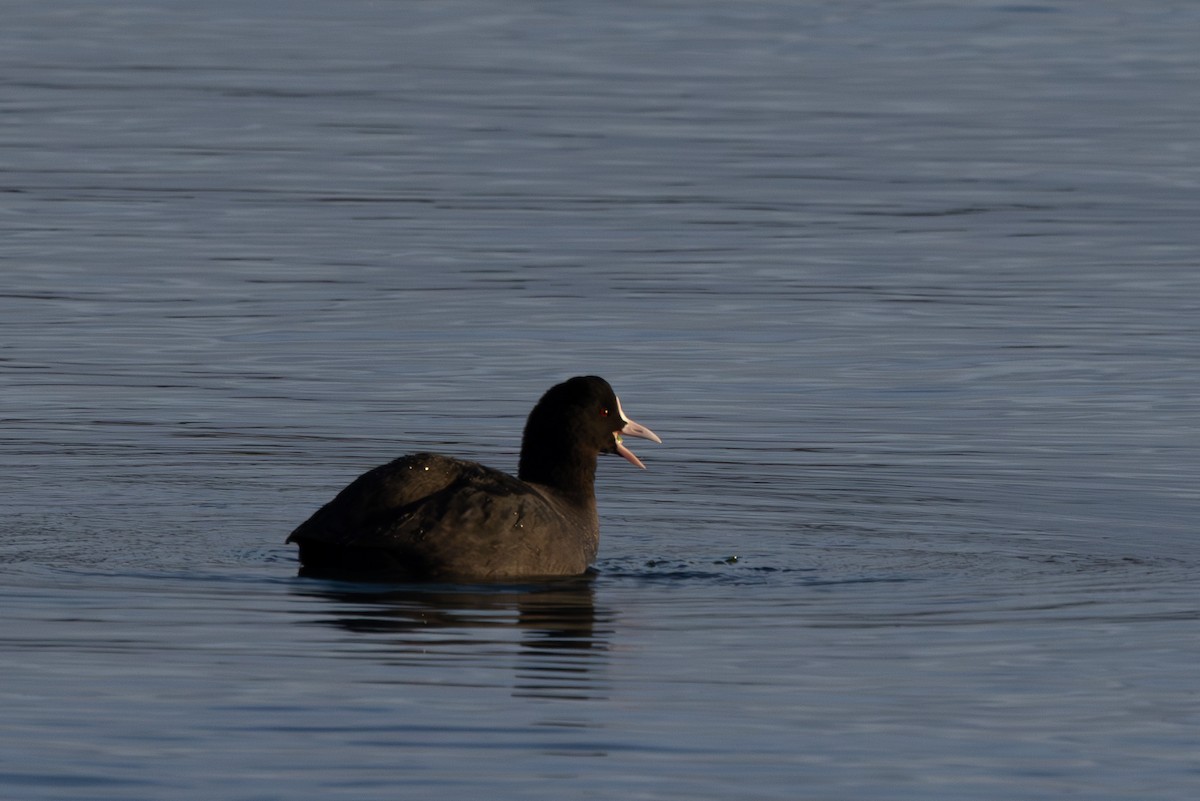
x: 429, y: 516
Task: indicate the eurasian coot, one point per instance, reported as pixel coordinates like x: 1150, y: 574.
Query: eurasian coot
x: 428, y: 516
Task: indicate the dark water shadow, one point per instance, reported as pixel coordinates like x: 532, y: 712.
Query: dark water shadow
x: 559, y: 638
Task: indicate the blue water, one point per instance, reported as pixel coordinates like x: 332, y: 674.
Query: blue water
x: 910, y: 290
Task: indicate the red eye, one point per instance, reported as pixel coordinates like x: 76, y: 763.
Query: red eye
x: 604, y: 411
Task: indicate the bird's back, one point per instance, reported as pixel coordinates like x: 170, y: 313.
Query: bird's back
x: 432, y: 516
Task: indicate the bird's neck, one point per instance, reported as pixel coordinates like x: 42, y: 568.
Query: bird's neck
x: 571, y: 474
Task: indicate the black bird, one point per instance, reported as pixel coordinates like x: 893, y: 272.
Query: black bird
x: 428, y: 516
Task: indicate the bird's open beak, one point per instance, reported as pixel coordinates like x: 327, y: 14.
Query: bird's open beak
x: 632, y: 429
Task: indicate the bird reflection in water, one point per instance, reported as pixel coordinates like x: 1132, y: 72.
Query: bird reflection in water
x: 558, y: 637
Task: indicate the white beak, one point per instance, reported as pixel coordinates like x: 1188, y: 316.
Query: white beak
x: 632, y: 429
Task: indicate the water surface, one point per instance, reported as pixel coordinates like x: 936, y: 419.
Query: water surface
x: 910, y: 291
